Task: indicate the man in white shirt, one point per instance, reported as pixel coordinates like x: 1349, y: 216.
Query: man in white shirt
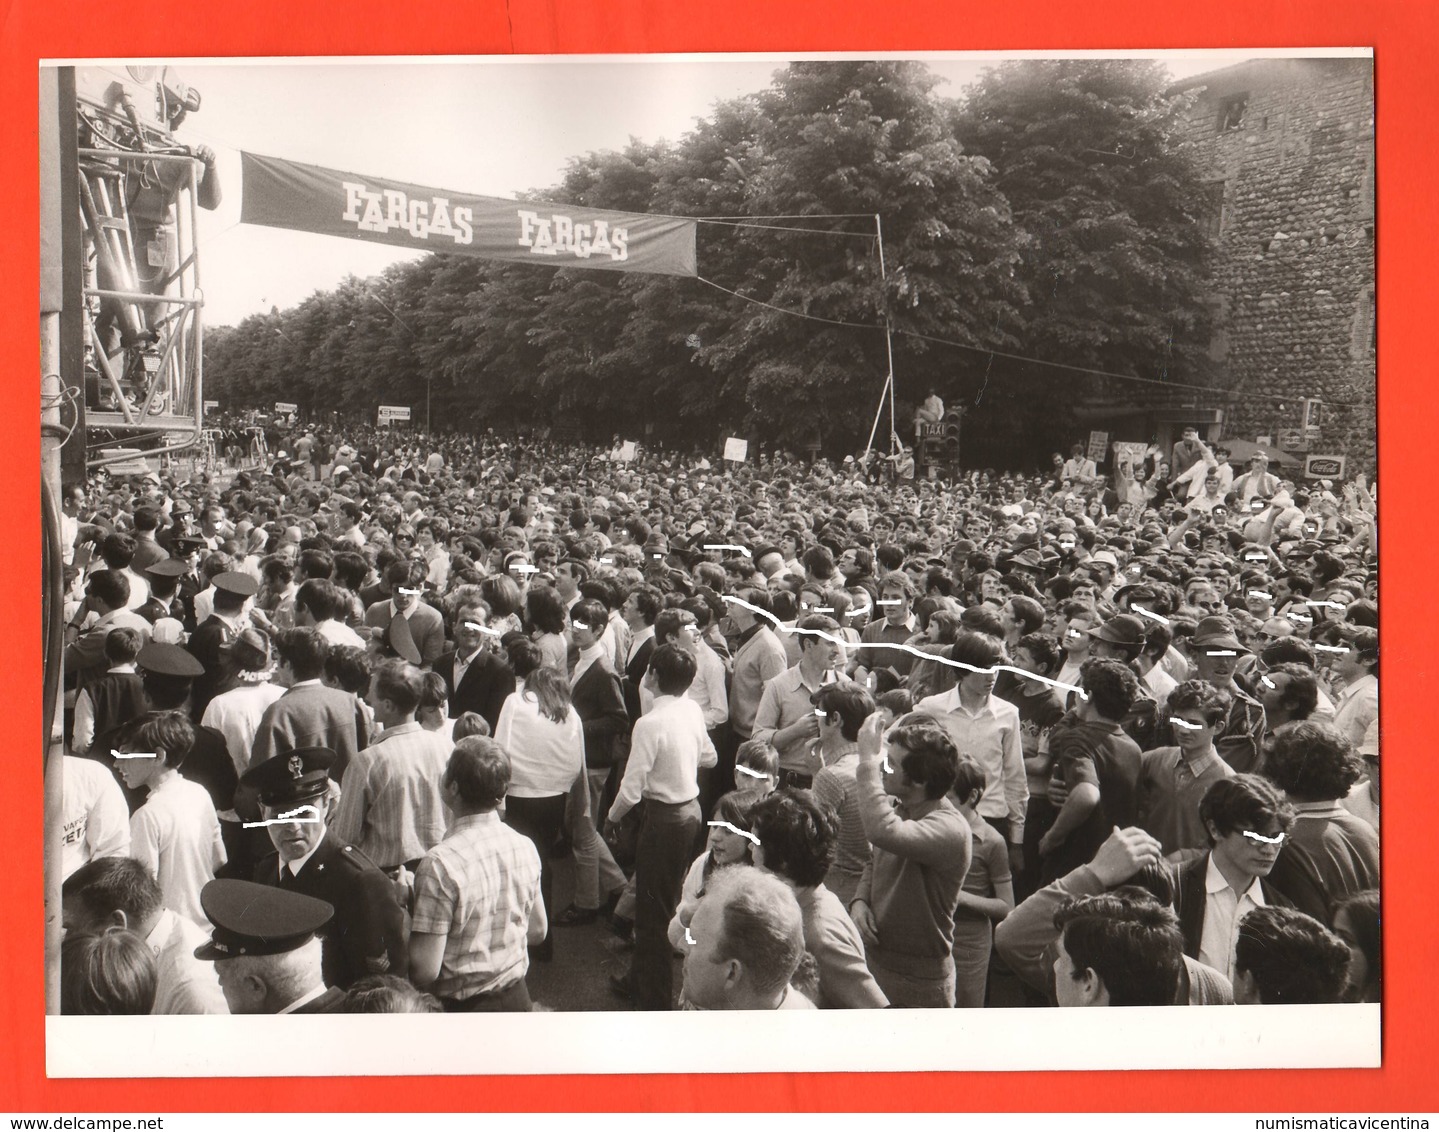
x: 393, y: 807
x: 96, y: 819
x: 347, y: 519
x: 678, y: 627
x: 1216, y: 464
x: 236, y: 713
x: 176, y: 833
x: 669, y: 746
x: 1358, y: 704
x: 1247, y: 820
x: 1079, y: 466
x: 119, y: 892
x: 986, y: 728
x: 319, y: 603
x: 1256, y: 482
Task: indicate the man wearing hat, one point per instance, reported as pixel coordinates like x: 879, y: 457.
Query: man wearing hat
x: 367, y: 934
x: 265, y: 949
x: 1122, y: 638
x: 232, y: 590
x: 178, y: 526
x: 164, y: 578
x: 1216, y: 650
x: 187, y: 549
x: 1103, y: 565
x: 169, y: 672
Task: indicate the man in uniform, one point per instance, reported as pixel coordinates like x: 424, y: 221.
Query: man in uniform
x: 265, y: 949
x: 367, y: 934
x: 164, y: 578
x: 232, y: 590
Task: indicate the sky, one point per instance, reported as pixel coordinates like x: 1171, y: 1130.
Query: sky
x: 488, y: 126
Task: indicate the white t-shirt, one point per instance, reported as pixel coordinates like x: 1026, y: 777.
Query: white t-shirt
x: 338, y: 633
x: 96, y: 819
x: 186, y: 985
x: 236, y: 715
x: 177, y: 834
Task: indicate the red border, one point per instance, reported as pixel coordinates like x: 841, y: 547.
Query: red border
x: 1402, y: 33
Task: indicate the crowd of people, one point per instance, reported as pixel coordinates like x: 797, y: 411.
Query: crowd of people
x: 813, y: 734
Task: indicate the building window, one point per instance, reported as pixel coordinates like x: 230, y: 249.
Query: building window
x: 1212, y: 209
x: 1364, y: 339
x: 1231, y: 112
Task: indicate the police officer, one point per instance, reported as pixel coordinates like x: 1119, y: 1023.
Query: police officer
x: 367, y: 935
x: 170, y: 674
x: 164, y: 577
x: 232, y: 590
x: 265, y: 949
x: 187, y: 549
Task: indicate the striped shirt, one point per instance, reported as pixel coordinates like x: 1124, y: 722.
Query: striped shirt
x: 836, y: 786
x: 476, y: 888
x: 391, y: 808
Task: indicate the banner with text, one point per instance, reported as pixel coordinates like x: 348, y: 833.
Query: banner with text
x: 307, y: 198
x: 390, y: 413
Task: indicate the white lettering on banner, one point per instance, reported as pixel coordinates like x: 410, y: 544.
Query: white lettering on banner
x: 420, y: 218
x: 553, y: 234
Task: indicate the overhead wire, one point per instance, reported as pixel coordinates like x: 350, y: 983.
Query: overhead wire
x: 750, y: 222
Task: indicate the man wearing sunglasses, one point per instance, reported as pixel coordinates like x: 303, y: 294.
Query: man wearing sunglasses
x: 1247, y: 821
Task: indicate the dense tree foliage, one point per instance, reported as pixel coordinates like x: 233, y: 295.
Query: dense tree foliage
x: 1049, y: 214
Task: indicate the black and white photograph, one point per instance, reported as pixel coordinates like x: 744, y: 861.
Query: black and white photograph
x: 603, y: 536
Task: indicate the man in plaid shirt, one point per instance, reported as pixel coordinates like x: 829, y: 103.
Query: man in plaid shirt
x: 477, y: 893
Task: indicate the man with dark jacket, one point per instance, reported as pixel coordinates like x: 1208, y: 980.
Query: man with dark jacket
x: 478, y: 679
x: 266, y: 950
x: 367, y: 934
x: 209, y: 640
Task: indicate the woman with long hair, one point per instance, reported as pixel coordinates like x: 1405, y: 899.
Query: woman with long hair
x: 542, y: 733
x: 545, y: 611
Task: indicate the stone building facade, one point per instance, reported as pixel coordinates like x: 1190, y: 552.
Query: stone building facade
x: 1287, y: 146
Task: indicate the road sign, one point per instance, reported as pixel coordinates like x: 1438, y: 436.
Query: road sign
x: 736, y: 449
x: 390, y: 413
x: 1324, y: 467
